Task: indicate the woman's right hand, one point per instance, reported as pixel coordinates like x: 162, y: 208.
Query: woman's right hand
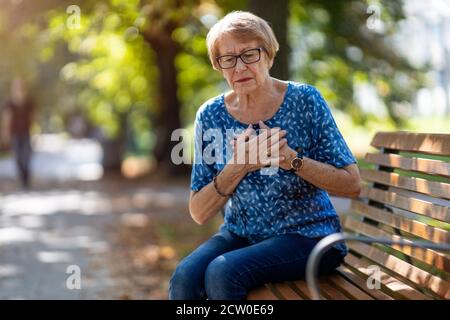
x: 252, y: 152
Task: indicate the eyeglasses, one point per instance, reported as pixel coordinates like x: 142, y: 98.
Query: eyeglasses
x: 229, y: 61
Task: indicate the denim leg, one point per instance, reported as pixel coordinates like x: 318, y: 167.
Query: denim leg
x: 231, y: 275
x: 22, y: 151
x: 187, y: 282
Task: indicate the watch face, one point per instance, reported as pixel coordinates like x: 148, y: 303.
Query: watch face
x: 296, y: 163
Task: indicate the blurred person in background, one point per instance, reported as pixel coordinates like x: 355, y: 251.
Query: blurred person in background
x: 17, y: 118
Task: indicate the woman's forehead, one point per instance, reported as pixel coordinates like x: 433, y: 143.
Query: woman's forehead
x: 231, y: 45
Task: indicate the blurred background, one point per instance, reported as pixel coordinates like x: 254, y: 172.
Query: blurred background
x: 109, y: 81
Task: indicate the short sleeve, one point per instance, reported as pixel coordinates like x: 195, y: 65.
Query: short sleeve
x: 202, y: 172
x: 329, y: 145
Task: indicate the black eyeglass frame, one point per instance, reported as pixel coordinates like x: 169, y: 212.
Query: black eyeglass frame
x: 240, y: 57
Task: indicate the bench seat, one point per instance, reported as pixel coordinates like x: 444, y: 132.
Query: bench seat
x: 405, y: 196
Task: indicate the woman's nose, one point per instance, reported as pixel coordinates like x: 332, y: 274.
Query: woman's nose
x: 240, y: 65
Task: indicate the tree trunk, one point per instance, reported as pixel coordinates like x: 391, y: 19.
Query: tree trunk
x: 114, y: 149
x: 168, y: 117
x: 277, y: 14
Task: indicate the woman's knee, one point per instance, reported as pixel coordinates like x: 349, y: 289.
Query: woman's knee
x: 331, y: 260
x: 222, y: 281
x: 185, y: 284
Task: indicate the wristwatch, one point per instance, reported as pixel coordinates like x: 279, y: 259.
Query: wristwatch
x: 297, y: 162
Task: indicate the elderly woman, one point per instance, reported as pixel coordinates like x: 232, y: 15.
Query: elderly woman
x: 273, y: 218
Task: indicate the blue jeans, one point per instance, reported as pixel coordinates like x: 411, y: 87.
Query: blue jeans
x: 227, y: 267
x: 21, y: 146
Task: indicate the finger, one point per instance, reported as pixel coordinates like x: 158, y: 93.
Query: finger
x: 283, y: 142
x: 239, y: 143
x: 248, y: 133
x: 245, y: 131
x: 253, y: 150
x: 269, y: 133
x: 265, y: 134
x: 244, y: 136
x: 240, y: 153
x: 272, y: 151
x: 276, y: 147
x: 247, y: 141
x: 262, y: 125
x: 275, y: 138
x: 273, y: 161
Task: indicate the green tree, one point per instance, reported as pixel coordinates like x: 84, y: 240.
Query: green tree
x: 335, y: 50
x: 277, y: 14
x: 161, y: 43
x: 112, y: 73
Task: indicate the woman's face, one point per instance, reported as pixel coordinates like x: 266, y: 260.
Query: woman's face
x: 243, y: 78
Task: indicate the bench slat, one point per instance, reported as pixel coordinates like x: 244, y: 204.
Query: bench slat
x: 413, y: 227
x: 301, y: 286
x: 261, y: 293
x: 286, y: 291
x: 330, y: 292
x: 349, y: 288
x: 394, y: 285
x: 297, y: 291
x: 360, y: 282
x: 438, y: 144
x: 433, y: 167
x: 404, y: 269
x: 344, y: 280
x: 431, y: 257
x: 426, y: 208
x: 432, y: 188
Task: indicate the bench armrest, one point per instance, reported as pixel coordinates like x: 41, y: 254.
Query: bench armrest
x: 327, y: 242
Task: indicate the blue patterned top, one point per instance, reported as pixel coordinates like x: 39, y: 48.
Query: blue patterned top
x: 265, y: 204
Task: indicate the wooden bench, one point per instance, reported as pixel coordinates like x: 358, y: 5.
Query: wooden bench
x: 406, y: 195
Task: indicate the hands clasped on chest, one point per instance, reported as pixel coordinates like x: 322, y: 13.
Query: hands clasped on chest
x: 254, y: 151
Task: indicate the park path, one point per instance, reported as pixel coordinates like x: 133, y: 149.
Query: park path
x: 70, y: 217
x: 106, y: 233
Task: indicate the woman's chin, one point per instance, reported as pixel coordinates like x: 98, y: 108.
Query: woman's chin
x: 245, y: 87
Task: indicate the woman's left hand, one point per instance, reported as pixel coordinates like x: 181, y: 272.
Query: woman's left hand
x: 285, y: 151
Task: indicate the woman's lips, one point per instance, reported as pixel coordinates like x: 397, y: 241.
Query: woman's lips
x: 243, y: 79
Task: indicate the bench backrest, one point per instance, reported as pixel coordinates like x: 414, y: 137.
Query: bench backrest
x: 405, y: 196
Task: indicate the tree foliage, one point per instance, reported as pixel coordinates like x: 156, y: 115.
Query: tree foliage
x: 113, y: 70
x: 334, y: 49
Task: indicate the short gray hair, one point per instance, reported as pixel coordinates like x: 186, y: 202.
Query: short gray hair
x: 244, y: 26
